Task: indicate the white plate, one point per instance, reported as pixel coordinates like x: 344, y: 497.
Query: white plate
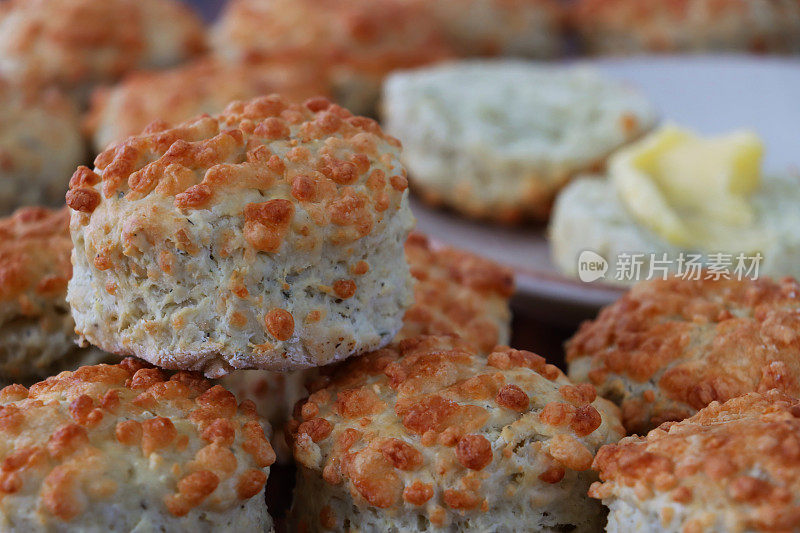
x: 711, y: 94
x: 715, y: 94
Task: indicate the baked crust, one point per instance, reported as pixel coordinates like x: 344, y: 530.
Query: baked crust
x: 353, y: 44
x: 428, y: 428
x: 457, y: 293
x: 40, y: 145
x: 732, y: 466
x: 231, y: 241
x: 631, y: 26
x: 203, y: 86
x: 529, y: 28
x: 76, y: 43
x: 669, y: 348
x: 131, y: 435
x: 34, y: 261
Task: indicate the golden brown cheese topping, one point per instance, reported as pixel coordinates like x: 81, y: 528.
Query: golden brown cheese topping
x: 698, y: 341
x: 739, y: 458
x: 457, y: 293
x: 204, y: 86
x: 675, y: 25
x: 676, y: 9
x: 71, y: 42
x: 25, y: 96
x: 313, y: 165
x: 97, y: 432
x: 427, y: 422
x: 371, y: 37
x: 34, y: 260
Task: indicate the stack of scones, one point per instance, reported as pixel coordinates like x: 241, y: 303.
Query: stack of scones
x: 275, y: 237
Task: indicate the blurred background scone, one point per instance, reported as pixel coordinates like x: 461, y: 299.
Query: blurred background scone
x: 353, y: 43
x: 640, y: 26
x: 78, y: 43
x: 530, y: 28
x: 676, y: 193
x: 731, y: 467
x: 497, y: 140
x: 128, y: 448
x: 204, y: 86
x: 269, y: 236
x: 37, y: 336
x: 40, y: 145
x: 669, y: 348
x: 428, y: 436
x: 455, y: 293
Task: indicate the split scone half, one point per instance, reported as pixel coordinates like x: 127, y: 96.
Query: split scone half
x: 498, y: 139
x: 589, y: 214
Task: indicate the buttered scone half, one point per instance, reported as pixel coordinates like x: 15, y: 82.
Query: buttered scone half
x: 589, y: 214
x: 455, y: 293
x: 127, y: 447
x: 530, y: 28
x: 732, y: 467
x: 640, y: 26
x: 427, y: 435
x: 37, y: 336
x: 203, y: 86
x: 498, y: 139
x: 40, y: 145
x: 269, y: 236
x: 669, y: 348
x: 75, y: 44
x: 353, y: 44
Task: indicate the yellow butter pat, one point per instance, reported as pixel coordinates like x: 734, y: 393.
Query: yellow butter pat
x: 692, y: 191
